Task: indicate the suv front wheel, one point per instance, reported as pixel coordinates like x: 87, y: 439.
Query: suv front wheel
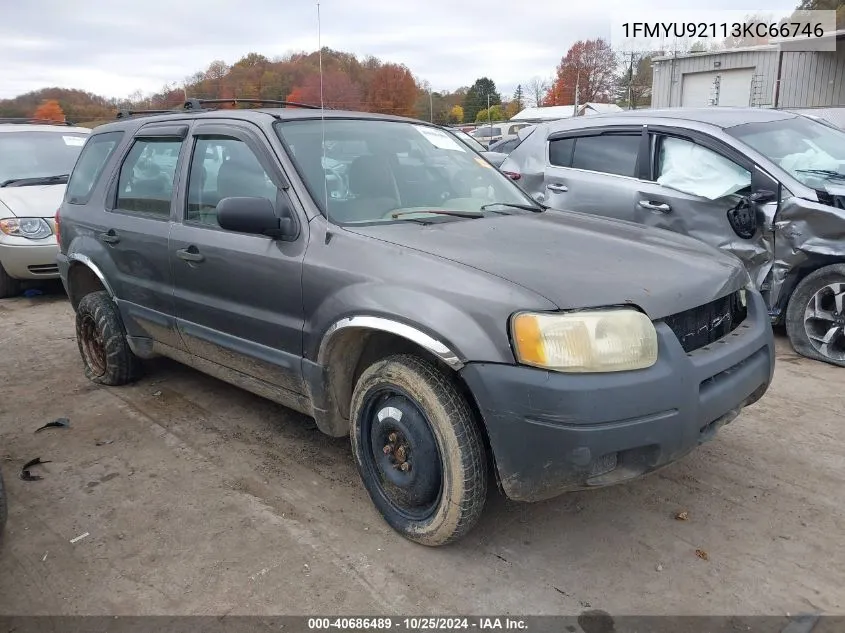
x: 418, y: 450
x: 102, y: 342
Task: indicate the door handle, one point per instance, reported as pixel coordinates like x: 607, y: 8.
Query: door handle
x: 110, y: 237
x: 558, y: 188
x: 655, y: 206
x: 190, y: 254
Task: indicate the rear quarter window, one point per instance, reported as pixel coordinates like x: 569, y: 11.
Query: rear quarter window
x: 89, y: 166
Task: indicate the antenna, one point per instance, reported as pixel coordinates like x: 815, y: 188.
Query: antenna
x: 323, y: 126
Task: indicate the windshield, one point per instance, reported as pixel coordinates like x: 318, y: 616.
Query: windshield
x: 29, y: 154
x: 384, y: 171
x: 810, y: 151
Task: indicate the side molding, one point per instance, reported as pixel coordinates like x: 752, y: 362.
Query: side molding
x: 393, y: 327
x: 85, y: 260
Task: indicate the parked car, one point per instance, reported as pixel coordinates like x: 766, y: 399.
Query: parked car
x: 765, y: 185
x: 495, y: 158
x: 505, y: 145
x: 35, y: 160
x: 435, y: 313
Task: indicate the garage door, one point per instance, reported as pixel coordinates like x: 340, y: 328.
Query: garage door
x: 734, y: 89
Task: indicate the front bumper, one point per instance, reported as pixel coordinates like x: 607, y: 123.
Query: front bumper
x: 23, y: 260
x: 552, y: 432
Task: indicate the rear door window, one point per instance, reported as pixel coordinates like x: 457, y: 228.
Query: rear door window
x: 607, y: 153
x: 145, y: 184
x: 89, y: 166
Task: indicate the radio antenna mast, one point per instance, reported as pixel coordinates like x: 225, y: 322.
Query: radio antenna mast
x: 323, y: 125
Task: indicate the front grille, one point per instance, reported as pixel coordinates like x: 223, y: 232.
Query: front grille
x: 707, y: 323
x: 43, y: 269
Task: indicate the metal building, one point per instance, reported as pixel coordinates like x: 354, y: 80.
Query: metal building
x: 769, y: 76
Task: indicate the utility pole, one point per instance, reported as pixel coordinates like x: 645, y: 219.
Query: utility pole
x: 630, y: 81
x: 577, y: 85
x: 430, y: 105
x: 489, y: 122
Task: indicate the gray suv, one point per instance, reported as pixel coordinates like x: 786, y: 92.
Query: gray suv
x: 408, y: 294
x: 765, y: 185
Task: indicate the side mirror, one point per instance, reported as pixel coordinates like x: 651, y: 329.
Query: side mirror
x: 743, y: 218
x: 255, y: 216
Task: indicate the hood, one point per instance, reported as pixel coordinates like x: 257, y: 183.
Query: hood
x: 577, y: 260
x: 37, y: 201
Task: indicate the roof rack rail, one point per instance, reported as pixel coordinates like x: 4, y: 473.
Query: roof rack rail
x: 196, y: 104
x: 30, y: 120
x: 123, y: 114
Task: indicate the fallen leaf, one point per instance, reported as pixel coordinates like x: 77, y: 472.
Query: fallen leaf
x: 702, y: 554
x: 682, y: 516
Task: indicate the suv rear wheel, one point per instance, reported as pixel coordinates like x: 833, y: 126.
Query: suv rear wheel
x: 815, y: 317
x: 418, y: 450
x: 102, y: 342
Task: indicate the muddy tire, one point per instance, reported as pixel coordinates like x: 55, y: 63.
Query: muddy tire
x: 418, y: 449
x: 815, y: 316
x: 8, y: 287
x: 102, y: 342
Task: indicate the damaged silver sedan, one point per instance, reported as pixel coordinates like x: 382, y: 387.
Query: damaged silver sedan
x: 765, y: 185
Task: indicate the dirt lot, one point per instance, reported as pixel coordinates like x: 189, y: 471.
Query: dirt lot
x: 209, y: 500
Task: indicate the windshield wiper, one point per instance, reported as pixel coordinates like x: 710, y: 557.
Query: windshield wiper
x: 39, y: 180
x: 457, y: 214
x: 829, y: 173
x: 538, y: 208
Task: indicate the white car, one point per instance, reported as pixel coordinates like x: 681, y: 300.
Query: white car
x: 35, y: 161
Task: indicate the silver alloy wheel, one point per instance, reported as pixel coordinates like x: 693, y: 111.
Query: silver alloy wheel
x: 824, y: 321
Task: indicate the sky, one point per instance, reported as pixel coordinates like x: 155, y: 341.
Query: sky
x: 115, y: 48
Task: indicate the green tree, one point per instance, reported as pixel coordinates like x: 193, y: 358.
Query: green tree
x: 495, y: 113
x: 476, y: 97
x: 518, y: 97
x: 633, y: 85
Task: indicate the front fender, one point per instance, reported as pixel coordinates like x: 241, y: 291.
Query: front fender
x: 450, y: 332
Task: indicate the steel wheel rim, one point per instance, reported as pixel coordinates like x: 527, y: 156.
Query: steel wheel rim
x: 824, y: 321
x: 93, y: 350
x: 391, y: 419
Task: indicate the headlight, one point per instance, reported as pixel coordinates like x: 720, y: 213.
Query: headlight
x: 589, y: 341
x: 33, y: 228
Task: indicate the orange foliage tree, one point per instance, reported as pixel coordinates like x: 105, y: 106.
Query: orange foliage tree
x: 338, y: 91
x: 392, y: 90
x: 49, y: 110
x: 590, y: 65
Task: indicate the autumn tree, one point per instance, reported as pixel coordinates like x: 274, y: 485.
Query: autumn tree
x: 589, y: 65
x: 476, y: 97
x: 49, y: 110
x: 456, y: 114
x: 393, y: 90
x: 338, y: 91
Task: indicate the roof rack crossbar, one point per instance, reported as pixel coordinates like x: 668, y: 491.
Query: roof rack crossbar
x: 30, y: 120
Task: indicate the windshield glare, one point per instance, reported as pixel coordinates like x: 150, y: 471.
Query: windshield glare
x: 28, y: 154
x: 797, y: 145
x: 374, y: 170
